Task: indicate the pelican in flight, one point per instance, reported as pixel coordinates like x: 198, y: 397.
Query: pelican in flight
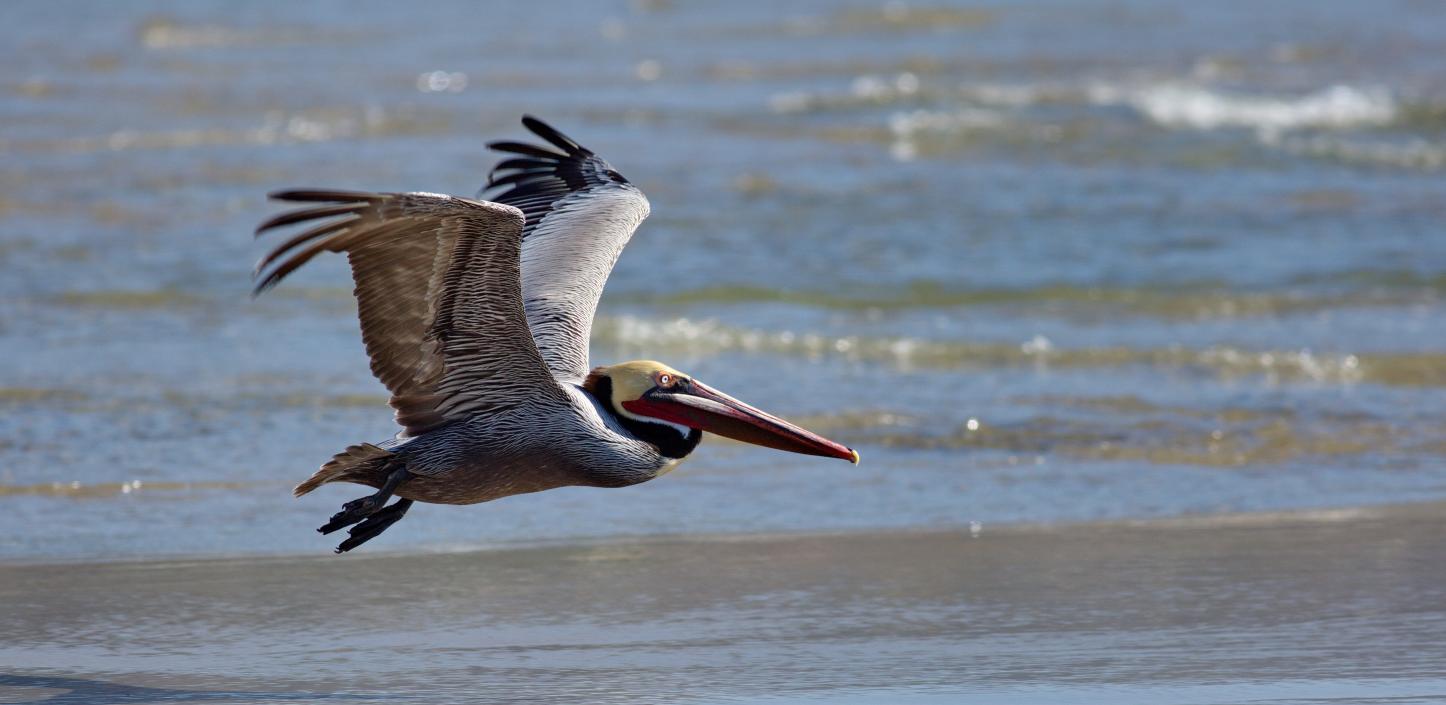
x: 476, y: 316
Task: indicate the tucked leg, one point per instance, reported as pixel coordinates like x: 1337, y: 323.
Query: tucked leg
x: 359, y: 509
x: 375, y: 525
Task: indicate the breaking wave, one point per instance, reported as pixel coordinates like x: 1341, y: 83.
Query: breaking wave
x: 1182, y: 105
x: 705, y: 337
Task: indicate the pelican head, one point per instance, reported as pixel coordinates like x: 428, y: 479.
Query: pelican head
x: 671, y: 410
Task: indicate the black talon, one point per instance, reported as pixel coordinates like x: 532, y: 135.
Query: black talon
x: 359, y: 509
x: 351, y: 513
x: 375, y: 525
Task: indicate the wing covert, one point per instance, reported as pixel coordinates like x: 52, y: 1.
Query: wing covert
x: 438, y: 294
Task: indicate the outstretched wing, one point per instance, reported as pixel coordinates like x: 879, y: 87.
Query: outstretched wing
x: 580, y: 213
x: 438, y: 293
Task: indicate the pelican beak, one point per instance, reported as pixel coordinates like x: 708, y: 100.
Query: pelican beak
x: 696, y: 405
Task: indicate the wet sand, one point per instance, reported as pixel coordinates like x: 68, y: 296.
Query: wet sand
x: 1326, y: 606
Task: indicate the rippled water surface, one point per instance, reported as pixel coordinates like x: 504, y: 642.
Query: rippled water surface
x: 1041, y: 262
x: 1053, y: 261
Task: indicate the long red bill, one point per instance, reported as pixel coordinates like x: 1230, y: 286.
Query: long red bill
x: 707, y: 409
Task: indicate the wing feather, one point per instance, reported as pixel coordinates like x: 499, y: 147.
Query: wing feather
x: 439, y: 296
x: 580, y: 213
x: 527, y: 149
x: 559, y: 140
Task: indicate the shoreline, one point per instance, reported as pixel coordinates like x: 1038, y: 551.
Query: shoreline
x: 1289, y: 606
x: 1265, y: 518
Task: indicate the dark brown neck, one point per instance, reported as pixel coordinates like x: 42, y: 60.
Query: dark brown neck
x: 669, y: 441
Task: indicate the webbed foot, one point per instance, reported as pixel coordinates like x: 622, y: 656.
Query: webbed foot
x: 374, y: 525
x: 353, y: 512
x: 359, y: 509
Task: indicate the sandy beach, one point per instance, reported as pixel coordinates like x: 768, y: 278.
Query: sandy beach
x: 1328, y: 606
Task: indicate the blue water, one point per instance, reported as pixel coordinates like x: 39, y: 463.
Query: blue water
x: 1040, y: 262
x: 1087, y: 265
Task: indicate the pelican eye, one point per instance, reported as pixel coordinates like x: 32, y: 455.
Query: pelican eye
x: 664, y: 380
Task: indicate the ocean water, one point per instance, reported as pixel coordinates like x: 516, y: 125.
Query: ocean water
x: 1052, y: 262
x: 1182, y: 261
x: 1045, y: 262
x: 1052, y: 266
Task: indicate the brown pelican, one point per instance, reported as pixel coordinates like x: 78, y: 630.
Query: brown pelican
x: 476, y: 317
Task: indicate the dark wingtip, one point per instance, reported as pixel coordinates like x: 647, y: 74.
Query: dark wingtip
x: 535, y: 125
x: 265, y: 285
x: 525, y: 150
x: 552, y: 135
x: 324, y: 195
x: 342, y: 207
x: 342, y: 200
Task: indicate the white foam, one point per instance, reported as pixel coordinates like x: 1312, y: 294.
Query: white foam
x: 864, y: 90
x: 908, y: 123
x: 709, y: 337
x: 1021, y: 95
x: 1183, y: 105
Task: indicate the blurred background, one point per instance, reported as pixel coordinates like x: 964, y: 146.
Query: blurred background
x: 1041, y: 262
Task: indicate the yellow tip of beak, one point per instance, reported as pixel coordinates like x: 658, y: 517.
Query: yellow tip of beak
x: 855, y: 459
